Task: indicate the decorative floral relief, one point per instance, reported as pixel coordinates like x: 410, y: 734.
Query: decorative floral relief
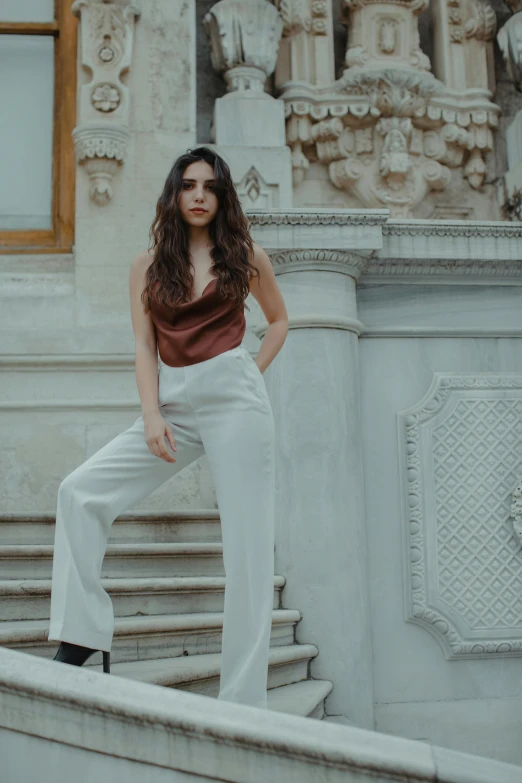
x: 105, y: 97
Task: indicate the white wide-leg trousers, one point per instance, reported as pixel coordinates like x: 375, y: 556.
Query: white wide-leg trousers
x: 220, y: 407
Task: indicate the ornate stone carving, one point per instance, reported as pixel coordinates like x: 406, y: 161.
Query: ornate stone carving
x: 101, y: 149
x: 510, y: 42
x: 306, y: 51
x: 244, y: 39
x: 384, y: 33
x: 387, y: 129
x: 254, y: 192
x: 296, y: 16
x: 460, y: 461
x: 101, y: 136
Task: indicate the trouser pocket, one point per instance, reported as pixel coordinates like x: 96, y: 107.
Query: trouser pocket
x: 254, y: 376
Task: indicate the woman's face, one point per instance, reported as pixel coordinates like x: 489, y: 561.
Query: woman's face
x: 197, y: 192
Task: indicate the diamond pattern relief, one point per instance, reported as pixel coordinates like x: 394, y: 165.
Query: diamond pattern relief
x: 460, y: 476
x: 483, y: 553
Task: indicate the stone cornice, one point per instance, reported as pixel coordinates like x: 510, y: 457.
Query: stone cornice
x: 453, y: 250
x: 455, y: 228
x: 319, y: 217
x: 449, y: 269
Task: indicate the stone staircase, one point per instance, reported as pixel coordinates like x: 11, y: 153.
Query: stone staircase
x: 166, y: 579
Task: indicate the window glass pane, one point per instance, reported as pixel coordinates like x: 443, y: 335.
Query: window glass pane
x: 26, y: 10
x: 26, y: 131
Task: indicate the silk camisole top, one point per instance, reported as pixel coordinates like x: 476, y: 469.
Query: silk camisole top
x: 198, y: 330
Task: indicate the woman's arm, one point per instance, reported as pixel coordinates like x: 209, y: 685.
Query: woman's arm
x: 156, y: 429
x: 266, y: 291
x: 146, y: 350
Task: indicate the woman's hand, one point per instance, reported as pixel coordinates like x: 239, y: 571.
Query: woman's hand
x: 156, y: 429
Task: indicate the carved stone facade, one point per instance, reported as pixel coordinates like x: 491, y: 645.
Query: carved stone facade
x: 388, y: 131
x: 102, y: 133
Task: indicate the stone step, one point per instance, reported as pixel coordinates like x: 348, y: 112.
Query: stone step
x: 30, y: 599
x: 201, y: 525
x: 138, y: 559
x: 304, y: 698
x: 200, y: 673
x: 144, y: 637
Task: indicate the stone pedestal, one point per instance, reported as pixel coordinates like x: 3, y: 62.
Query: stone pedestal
x: 314, y: 388
x: 249, y: 119
x: 244, y: 39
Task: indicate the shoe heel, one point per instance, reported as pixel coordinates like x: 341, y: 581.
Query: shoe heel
x: 106, y: 662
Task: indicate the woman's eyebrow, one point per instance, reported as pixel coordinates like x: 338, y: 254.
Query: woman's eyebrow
x: 186, y: 179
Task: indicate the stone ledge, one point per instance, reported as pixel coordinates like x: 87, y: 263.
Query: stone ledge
x: 208, y: 737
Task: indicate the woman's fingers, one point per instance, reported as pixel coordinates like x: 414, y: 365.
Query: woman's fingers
x: 162, y: 450
x: 155, y: 429
x: 170, y: 438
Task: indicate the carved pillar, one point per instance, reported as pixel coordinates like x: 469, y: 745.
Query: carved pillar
x: 306, y: 52
x: 314, y: 388
x: 464, y: 32
x: 510, y: 41
x: 102, y: 133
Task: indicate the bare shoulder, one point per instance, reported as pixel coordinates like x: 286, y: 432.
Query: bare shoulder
x: 142, y: 261
x: 264, y: 288
x: 260, y: 259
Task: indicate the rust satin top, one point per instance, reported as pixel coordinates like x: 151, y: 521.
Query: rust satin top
x: 198, y: 330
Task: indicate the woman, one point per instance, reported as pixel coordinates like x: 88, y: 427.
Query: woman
x: 187, y: 303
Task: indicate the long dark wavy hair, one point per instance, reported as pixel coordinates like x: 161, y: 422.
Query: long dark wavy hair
x: 169, y: 276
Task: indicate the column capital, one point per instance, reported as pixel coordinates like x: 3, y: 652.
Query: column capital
x: 319, y: 256
x: 341, y: 261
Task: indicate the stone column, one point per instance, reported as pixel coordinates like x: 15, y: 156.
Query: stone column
x: 313, y: 384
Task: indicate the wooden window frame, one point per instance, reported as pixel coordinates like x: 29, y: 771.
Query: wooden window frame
x: 59, y: 238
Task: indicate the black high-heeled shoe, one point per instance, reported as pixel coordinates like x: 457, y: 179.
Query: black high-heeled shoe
x: 76, y: 655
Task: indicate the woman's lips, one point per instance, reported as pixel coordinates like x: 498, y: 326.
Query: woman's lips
x: 201, y: 211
